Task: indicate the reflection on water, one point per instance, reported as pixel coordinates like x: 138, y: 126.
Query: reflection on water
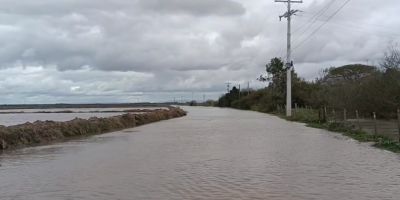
x: 210, y: 154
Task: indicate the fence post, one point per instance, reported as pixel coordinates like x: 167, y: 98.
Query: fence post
x: 295, y: 108
x: 345, y: 115
x: 325, y: 115
x: 358, y: 120
x: 319, y: 115
x: 334, y: 115
x: 398, y: 121
x: 375, y: 124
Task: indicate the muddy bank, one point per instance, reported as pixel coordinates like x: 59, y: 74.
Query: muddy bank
x: 42, y: 132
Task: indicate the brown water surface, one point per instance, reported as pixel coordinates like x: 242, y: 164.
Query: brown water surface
x: 210, y: 154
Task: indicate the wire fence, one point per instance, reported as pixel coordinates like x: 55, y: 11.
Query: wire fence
x: 372, y: 123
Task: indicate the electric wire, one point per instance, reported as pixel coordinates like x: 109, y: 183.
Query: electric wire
x: 314, y: 18
x: 322, y: 25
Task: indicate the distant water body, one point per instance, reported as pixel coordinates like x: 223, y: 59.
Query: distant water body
x: 210, y: 154
x: 8, y: 118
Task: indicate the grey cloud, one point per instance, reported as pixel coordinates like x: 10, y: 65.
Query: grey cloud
x: 62, y: 7
x: 194, y: 7
x: 111, y: 48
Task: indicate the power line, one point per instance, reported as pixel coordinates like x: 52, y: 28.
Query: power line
x: 361, y: 27
x: 314, y: 18
x: 323, y: 24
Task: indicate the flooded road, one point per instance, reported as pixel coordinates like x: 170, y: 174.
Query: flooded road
x: 210, y: 154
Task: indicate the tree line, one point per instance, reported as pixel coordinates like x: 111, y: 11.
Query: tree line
x: 353, y: 87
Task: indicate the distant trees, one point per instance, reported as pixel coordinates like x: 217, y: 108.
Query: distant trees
x: 391, y: 58
x: 227, y: 99
x: 390, y: 81
x: 268, y: 99
x: 354, y: 87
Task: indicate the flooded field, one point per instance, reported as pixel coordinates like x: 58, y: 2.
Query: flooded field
x: 18, y: 116
x: 210, y: 154
x: 80, y: 110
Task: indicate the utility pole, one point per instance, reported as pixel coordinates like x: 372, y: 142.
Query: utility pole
x: 228, y: 86
x: 248, y: 87
x: 239, y: 91
x: 289, y: 63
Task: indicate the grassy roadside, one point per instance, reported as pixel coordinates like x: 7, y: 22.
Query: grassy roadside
x: 310, y: 118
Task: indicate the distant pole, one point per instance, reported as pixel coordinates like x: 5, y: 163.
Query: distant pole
x: 289, y: 63
x: 239, y: 91
x: 248, y: 87
x: 228, y: 86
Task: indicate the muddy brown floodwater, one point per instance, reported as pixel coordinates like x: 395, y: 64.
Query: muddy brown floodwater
x: 210, y: 154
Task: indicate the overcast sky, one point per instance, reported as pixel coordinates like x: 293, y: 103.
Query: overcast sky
x: 76, y: 51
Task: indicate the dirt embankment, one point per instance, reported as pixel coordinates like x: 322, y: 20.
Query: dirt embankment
x: 42, y: 132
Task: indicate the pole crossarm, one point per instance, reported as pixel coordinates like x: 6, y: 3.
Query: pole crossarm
x: 288, y: 14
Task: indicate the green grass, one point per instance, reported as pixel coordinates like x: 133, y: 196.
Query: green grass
x: 305, y: 115
x: 310, y: 117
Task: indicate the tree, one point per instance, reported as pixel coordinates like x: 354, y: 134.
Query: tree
x: 227, y: 99
x: 391, y: 58
x: 275, y: 69
x: 276, y: 74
